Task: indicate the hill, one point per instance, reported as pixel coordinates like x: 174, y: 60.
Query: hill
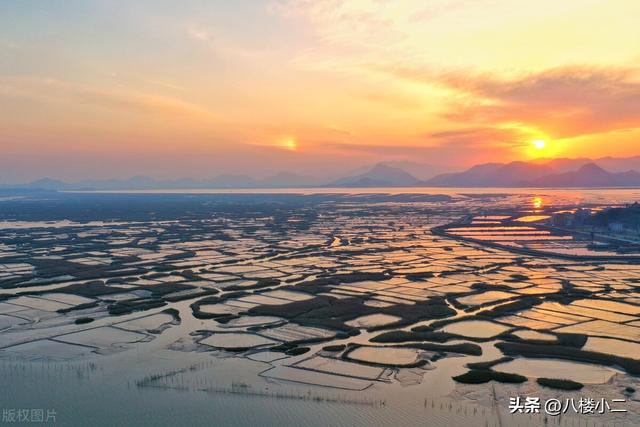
x: 379, y: 175
x: 589, y: 175
x: 512, y: 174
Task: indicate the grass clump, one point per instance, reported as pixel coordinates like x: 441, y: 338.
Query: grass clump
x: 632, y: 366
x: 512, y: 307
x: 338, y: 347
x: 84, y: 306
x: 127, y: 307
x: 297, y: 351
x: 260, y: 284
x: 560, y: 384
x: 481, y: 376
x: 462, y: 348
x: 489, y: 364
x: 212, y: 300
x: 404, y: 336
x: 95, y: 288
x: 415, y: 364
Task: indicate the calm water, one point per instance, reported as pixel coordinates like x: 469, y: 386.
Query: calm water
x: 568, y: 194
x: 103, y: 391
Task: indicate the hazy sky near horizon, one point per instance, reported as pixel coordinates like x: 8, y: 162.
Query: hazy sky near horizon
x: 101, y: 89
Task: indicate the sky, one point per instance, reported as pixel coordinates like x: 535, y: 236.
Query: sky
x: 172, y: 89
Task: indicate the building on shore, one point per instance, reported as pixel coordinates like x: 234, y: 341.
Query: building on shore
x: 620, y: 220
x: 579, y: 218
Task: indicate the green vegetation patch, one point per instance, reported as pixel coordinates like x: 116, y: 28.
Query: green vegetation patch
x: 405, y: 336
x: 461, y: 348
x: 334, y: 348
x: 91, y: 289
x: 127, y: 307
x: 329, y: 312
x: 512, y: 307
x: 260, y: 284
x: 297, y: 351
x: 489, y: 364
x: 212, y: 300
x: 481, y: 376
x: 632, y: 366
x: 560, y: 384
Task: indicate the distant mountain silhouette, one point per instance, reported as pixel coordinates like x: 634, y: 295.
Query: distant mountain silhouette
x: 138, y: 183
x: 146, y: 183
x: 619, y: 164
x: 492, y: 175
x: 579, y: 172
x: 422, y: 171
x: 231, y: 181
x: 287, y: 179
x: 611, y: 164
x: 589, y: 175
x: 45, y: 184
x: 379, y: 175
x: 522, y: 174
x: 562, y: 165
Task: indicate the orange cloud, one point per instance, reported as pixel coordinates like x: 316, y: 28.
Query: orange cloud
x: 111, y: 98
x: 564, y: 102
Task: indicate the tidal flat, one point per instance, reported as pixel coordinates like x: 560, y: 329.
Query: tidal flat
x: 311, y: 309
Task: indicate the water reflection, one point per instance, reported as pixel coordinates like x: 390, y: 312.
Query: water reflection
x: 538, y: 203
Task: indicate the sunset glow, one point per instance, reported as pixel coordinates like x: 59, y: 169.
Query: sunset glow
x: 283, y: 213
x: 538, y: 203
x: 539, y: 144
x: 288, y: 143
x: 195, y: 88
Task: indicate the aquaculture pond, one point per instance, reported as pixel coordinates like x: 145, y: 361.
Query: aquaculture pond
x: 333, y: 308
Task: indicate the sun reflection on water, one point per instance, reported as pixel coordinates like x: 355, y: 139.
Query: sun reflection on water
x: 538, y: 203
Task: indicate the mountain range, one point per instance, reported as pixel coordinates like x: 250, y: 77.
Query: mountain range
x: 523, y: 174
x: 380, y: 175
x: 589, y: 175
x: 618, y: 172
x: 146, y: 183
x: 492, y: 175
x: 611, y: 164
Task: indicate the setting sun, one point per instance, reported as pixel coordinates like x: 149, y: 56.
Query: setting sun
x: 299, y: 82
x: 381, y: 209
x: 288, y: 143
x: 539, y: 144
